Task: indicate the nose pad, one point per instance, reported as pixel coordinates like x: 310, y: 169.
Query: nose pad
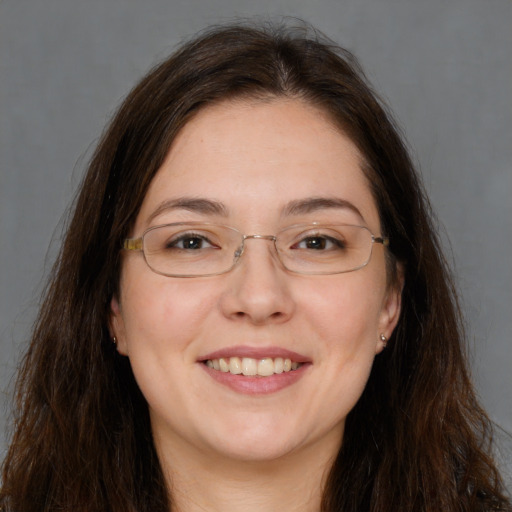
x: 241, y: 249
x: 239, y: 252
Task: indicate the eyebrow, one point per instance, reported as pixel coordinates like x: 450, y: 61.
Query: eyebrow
x: 297, y: 207
x: 314, y: 204
x: 196, y: 205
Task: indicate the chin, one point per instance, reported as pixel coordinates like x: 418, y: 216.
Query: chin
x: 255, y: 451
x: 263, y: 439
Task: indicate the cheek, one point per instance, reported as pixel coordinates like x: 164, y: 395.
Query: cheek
x: 162, y: 314
x: 345, y: 310
x: 164, y: 324
x: 344, y: 314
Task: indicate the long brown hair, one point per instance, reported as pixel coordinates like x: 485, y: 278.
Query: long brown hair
x: 417, y: 440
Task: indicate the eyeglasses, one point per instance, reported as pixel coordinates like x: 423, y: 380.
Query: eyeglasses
x: 195, y: 249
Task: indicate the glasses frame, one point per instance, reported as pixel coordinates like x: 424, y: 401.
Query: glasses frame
x: 137, y: 244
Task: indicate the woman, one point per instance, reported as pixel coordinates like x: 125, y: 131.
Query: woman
x: 250, y: 310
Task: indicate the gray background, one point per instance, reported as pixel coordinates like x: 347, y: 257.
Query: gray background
x: 444, y: 66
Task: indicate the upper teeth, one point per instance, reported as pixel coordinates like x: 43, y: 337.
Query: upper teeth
x: 249, y: 366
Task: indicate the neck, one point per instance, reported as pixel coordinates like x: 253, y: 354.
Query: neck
x: 211, y: 483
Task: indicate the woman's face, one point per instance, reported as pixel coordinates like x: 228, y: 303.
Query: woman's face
x: 255, y: 166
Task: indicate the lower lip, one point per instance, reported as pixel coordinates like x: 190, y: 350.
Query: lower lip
x: 257, y: 385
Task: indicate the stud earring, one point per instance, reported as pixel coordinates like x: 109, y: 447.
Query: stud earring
x: 114, y: 340
x: 384, y: 340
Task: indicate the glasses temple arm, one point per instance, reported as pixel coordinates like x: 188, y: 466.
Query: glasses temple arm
x: 132, y: 244
x: 384, y: 240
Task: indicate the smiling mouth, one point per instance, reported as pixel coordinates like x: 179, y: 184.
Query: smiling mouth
x: 250, y: 367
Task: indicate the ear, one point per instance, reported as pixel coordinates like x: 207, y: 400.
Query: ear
x: 116, y: 326
x: 390, y: 312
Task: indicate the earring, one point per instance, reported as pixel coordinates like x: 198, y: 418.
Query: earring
x: 384, y: 340
x: 114, y: 340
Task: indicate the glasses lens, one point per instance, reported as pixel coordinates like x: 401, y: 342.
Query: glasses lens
x: 197, y: 249
x: 324, y: 249
x: 190, y: 249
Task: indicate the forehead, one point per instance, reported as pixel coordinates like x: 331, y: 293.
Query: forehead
x: 257, y: 156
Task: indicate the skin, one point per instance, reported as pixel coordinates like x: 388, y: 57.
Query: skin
x: 254, y: 157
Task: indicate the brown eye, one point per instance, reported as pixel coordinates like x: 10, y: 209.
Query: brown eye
x: 189, y: 242
x: 316, y: 243
x: 319, y: 243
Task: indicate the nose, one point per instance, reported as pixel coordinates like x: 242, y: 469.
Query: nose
x: 258, y: 288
